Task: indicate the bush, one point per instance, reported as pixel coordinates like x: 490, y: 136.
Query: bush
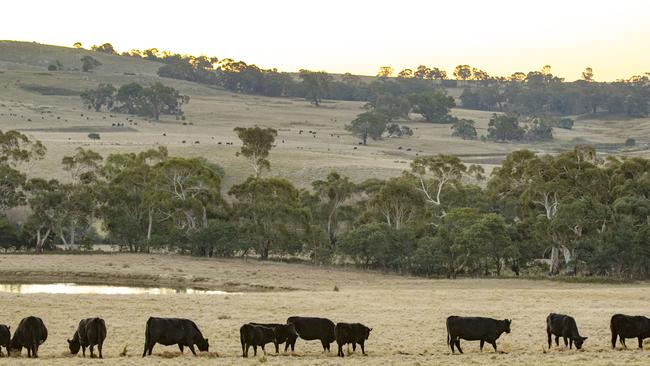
x: 93, y: 136
x: 630, y: 141
x: 565, y: 123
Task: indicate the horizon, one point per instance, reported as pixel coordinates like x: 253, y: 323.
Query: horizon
x: 499, y: 39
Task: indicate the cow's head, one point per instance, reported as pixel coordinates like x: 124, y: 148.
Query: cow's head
x: 203, y: 345
x: 506, y: 323
x: 579, y: 341
x: 74, y: 346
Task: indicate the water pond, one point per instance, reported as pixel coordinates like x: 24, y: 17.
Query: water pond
x: 74, y: 288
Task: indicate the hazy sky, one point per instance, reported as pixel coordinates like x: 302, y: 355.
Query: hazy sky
x: 498, y: 36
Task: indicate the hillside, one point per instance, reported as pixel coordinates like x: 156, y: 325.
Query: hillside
x: 46, y: 105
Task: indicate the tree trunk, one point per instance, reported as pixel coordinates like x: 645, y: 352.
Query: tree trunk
x: 149, y: 226
x: 555, y: 261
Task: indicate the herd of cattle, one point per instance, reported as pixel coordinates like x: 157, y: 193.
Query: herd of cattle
x: 91, y: 332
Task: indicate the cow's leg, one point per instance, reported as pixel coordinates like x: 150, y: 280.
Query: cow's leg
x: 263, y: 350
x: 340, y: 352
x: 35, y: 350
x: 566, y: 342
x: 191, y: 347
x: 640, y: 342
x: 277, y: 347
x: 494, y: 345
x: 325, y: 345
x: 482, y: 343
x: 99, y: 348
x: 92, y: 351
x: 248, y: 346
x: 557, y: 341
x: 549, y: 338
x: 180, y: 347
x: 452, y: 343
x: 622, y: 339
x: 363, y: 350
x: 254, y: 350
x: 614, y: 336
x: 144, y: 353
x: 151, y: 348
x: 458, y: 345
x: 29, y: 352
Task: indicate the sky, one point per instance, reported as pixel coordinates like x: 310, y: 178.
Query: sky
x: 498, y: 36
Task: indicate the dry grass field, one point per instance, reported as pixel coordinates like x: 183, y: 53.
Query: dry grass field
x: 407, y: 314
x: 62, y: 123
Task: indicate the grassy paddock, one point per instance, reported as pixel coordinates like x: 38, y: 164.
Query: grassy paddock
x: 407, y: 313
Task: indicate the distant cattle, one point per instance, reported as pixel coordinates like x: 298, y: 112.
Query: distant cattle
x: 626, y: 326
x: 256, y: 335
x: 475, y: 329
x: 5, y: 338
x: 564, y: 326
x: 310, y: 329
x: 168, y: 331
x: 354, y: 333
x: 91, y: 332
x: 283, y: 332
x: 30, y: 333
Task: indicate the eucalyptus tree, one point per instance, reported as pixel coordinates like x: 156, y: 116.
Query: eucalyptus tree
x: 271, y: 211
x: 334, y: 194
x: 256, y: 145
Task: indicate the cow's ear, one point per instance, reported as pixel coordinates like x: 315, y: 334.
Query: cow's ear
x: 584, y: 338
x: 69, y: 341
x: 370, y: 330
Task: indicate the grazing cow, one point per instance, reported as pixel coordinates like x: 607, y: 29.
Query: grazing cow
x: 283, y: 333
x: 564, y: 326
x: 626, y: 326
x: 31, y: 333
x: 256, y: 335
x: 311, y: 329
x: 90, y: 332
x: 5, y: 338
x: 351, y: 333
x: 168, y: 331
x: 475, y: 329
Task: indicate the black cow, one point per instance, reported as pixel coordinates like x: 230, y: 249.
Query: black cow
x: 564, y: 326
x: 31, y: 333
x: 283, y: 332
x: 5, y: 338
x: 626, y: 326
x: 475, y: 329
x: 351, y: 333
x: 256, y: 335
x: 168, y: 331
x: 311, y: 329
x: 90, y: 332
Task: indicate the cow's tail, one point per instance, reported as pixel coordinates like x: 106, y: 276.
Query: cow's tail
x: 147, y: 336
x: 448, y: 336
x: 241, y: 339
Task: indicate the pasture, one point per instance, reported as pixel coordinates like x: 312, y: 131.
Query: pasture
x: 42, y: 104
x: 407, y: 314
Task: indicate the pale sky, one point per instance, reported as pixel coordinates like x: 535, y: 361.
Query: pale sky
x: 499, y: 36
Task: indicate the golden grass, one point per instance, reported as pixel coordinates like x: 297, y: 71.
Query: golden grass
x: 407, y: 314
x: 214, y: 113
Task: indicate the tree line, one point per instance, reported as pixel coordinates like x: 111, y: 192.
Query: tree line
x: 534, y: 93
x: 441, y: 218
